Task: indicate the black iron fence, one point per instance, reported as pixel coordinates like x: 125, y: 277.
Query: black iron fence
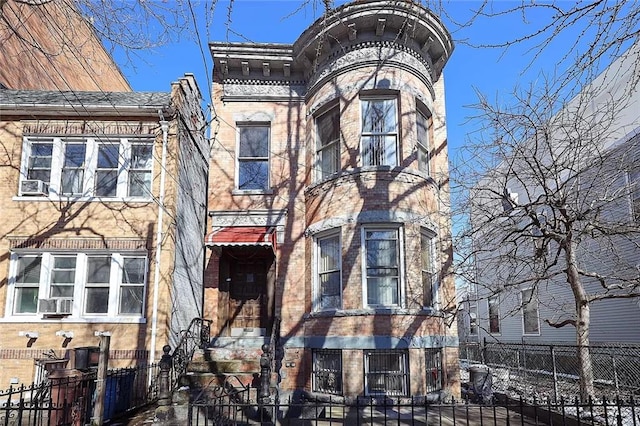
x: 67, y: 397
x: 216, y: 409
x: 552, y: 371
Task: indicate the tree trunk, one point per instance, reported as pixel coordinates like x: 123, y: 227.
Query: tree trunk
x: 583, y: 320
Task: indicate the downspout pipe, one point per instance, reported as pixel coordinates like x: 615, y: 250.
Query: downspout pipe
x: 164, y: 125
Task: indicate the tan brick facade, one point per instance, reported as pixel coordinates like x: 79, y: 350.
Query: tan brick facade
x: 48, y: 226
x: 338, y: 67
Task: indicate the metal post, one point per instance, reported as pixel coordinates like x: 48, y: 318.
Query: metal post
x: 555, y: 373
x: 101, y: 388
x: 265, y: 373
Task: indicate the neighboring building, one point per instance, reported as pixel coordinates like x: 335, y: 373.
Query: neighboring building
x: 602, y: 184
x: 328, y: 205
x: 49, y: 45
x: 103, y: 211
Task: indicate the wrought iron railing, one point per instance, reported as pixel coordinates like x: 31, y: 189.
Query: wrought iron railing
x: 196, y: 336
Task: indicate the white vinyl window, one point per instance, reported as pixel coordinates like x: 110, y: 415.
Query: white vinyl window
x: 77, y: 284
x: 530, y: 313
x: 429, y: 269
x: 386, y: 372
x: 382, y: 267
x: 87, y: 167
x: 73, y: 168
x: 329, y: 272
x: 423, y: 122
x: 253, y: 157
x: 328, y: 143
x: 379, y: 132
x: 39, y: 160
x: 327, y: 371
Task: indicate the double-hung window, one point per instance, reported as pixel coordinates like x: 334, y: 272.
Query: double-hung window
x: 327, y: 371
x: 97, y: 287
x: 73, y: 168
x: 78, y: 284
x: 328, y: 143
x: 140, y: 170
x: 329, y: 282
x: 87, y: 167
x: 386, y: 372
x: 382, y: 266
x: 27, y: 283
x: 106, y: 180
x: 253, y: 157
x: 429, y: 274
x: 423, y: 122
x: 530, y: 314
x: 379, y: 132
x: 39, y: 160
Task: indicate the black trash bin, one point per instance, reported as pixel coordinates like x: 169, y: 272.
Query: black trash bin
x: 480, y: 384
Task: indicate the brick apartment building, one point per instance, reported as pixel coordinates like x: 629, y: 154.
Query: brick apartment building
x: 329, y: 205
x: 94, y: 185
x: 48, y: 45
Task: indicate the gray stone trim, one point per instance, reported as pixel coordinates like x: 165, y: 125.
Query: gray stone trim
x: 369, y: 342
x: 372, y: 216
x: 372, y: 53
x: 275, y: 218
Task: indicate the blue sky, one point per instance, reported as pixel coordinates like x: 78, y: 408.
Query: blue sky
x: 493, y: 72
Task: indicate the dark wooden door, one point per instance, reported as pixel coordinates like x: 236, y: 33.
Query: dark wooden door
x: 248, y: 294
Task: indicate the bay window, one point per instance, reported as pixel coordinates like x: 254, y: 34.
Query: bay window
x: 328, y: 143
x: 382, y: 266
x: 386, y: 372
x: 379, y: 132
x: 327, y: 371
x: 329, y: 281
x: 429, y: 273
x: 423, y: 122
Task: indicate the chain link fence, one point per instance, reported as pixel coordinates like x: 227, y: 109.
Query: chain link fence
x: 552, y: 371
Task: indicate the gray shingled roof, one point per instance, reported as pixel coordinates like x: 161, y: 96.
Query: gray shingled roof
x: 45, y: 97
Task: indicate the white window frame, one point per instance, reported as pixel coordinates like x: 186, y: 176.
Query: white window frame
x: 335, y: 233
x: 433, y: 272
x: 495, y: 297
x: 423, y: 147
x: 239, y: 159
x: 88, y: 192
x: 316, y: 371
x: 365, y: 134
x: 116, y: 285
x: 404, y: 365
x: 524, y: 303
x: 400, y: 263
x: 332, y: 147
x: 434, y: 366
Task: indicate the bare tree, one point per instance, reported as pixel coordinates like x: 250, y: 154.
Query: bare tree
x: 549, y: 188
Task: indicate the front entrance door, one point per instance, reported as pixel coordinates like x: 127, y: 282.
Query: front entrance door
x: 248, y: 298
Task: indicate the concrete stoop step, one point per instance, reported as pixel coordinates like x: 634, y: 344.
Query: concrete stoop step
x: 229, y: 363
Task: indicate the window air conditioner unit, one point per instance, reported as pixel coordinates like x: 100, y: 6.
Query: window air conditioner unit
x: 56, y: 306
x: 34, y: 187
